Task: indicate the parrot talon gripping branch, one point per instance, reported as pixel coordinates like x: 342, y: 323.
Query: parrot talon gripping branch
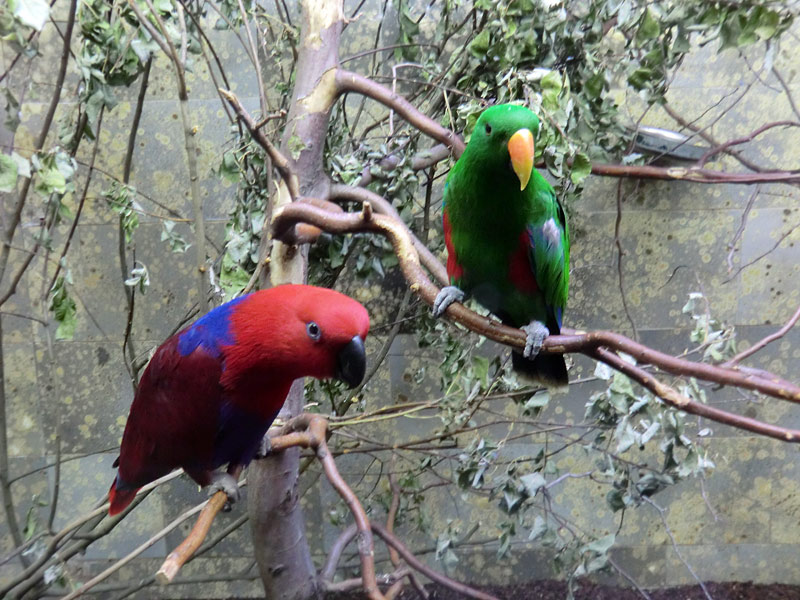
x: 445, y: 298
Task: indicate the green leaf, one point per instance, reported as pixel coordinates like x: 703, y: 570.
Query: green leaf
x: 641, y: 78
x: 12, y: 110
x: 229, y: 168
x: 602, y: 545
x: 615, y: 500
x: 63, y: 308
x: 539, y: 528
x: 33, y: 13
x: 595, y: 84
x: 232, y: 277
x: 479, y: 46
x: 8, y: 173
x: 552, y: 84
x: 768, y: 23
x: 649, y: 27
x: 480, y: 364
x: 581, y: 167
x: 23, y: 165
x: 533, y: 482
x: 175, y: 240
x: 539, y: 400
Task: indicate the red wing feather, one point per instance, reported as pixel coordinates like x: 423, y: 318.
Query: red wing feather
x: 454, y: 270
x: 174, y: 417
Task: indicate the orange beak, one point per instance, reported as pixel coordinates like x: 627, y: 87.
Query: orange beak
x: 520, y: 149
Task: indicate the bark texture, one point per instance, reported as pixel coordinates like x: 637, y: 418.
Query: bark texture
x: 277, y: 524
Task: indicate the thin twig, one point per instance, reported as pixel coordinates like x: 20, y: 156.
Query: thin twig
x: 278, y: 159
x: 124, y: 561
x: 662, y: 513
x: 418, y: 565
x: 759, y: 345
x: 742, y: 224
x: 788, y: 91
x: 620, y: 254
x: 262, y: 96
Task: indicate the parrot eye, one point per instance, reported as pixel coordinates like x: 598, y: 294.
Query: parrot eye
x: 313, y: 330
x: 488, y: 129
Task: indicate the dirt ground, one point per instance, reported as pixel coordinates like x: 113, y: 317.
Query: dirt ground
x: 556, y: 590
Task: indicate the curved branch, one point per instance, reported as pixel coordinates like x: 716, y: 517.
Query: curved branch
x: 587, y: 343
x: 744, y: 139
x: 381, y: 205
x: 763, y: 342
x: 420, y: 161
x: 347, y: 81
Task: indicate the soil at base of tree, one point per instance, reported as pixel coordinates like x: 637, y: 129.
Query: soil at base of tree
x: 557, y: 590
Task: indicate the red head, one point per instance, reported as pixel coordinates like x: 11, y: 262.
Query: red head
x: 293, y: 331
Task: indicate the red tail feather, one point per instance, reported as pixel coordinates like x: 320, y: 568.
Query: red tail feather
x: 119, y: 499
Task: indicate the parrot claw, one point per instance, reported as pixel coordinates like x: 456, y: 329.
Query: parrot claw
x: 264, y: 447
x: 445, y: 298
x: 536, y: 334
x: 225, y: 482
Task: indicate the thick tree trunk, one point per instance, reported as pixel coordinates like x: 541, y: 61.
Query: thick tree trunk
x: 279, y: 538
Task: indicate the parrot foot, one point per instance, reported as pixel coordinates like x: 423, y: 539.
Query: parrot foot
x: 445, y: 298
x: 225, y: 482
x: 264, y: 447
x: 536, y: 334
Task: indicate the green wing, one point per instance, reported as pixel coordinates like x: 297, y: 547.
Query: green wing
x: 549, y: 255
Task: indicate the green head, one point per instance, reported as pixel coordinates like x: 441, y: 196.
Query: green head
x: 503, y: 139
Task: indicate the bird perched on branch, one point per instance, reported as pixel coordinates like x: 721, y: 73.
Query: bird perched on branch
x: 212, y: 390
x: 507, y: 238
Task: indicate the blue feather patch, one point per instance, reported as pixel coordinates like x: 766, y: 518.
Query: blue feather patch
x: 239, y: 435
x: 211, y: 331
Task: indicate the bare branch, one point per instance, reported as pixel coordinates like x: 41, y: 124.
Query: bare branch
x: 178, y: 557
x: 347, y: 81
x: 744, y: 139
x: 121, y: 563
x: 417, y: 565
x: 693, y: 174
x: 278, y: 159
x: 763, y: 342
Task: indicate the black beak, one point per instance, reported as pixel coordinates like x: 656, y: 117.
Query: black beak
x: 352, y: 362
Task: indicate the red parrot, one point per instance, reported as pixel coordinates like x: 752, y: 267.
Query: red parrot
x: 212, y: 390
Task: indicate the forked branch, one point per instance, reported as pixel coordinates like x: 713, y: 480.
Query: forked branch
x: 305, y: 431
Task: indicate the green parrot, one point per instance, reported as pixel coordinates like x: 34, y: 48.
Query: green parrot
x: 507, y: 238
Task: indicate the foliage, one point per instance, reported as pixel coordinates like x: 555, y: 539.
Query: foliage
x: 121, y: 199
x: 63, y: 307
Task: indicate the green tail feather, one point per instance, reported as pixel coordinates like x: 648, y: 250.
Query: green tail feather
x: 549, y: 370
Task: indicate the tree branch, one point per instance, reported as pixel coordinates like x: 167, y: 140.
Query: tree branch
x: 178, y: 557
x: 597, y: 344
x: 347, y: 81
x: 314, y: 437
x: 278, y: 159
